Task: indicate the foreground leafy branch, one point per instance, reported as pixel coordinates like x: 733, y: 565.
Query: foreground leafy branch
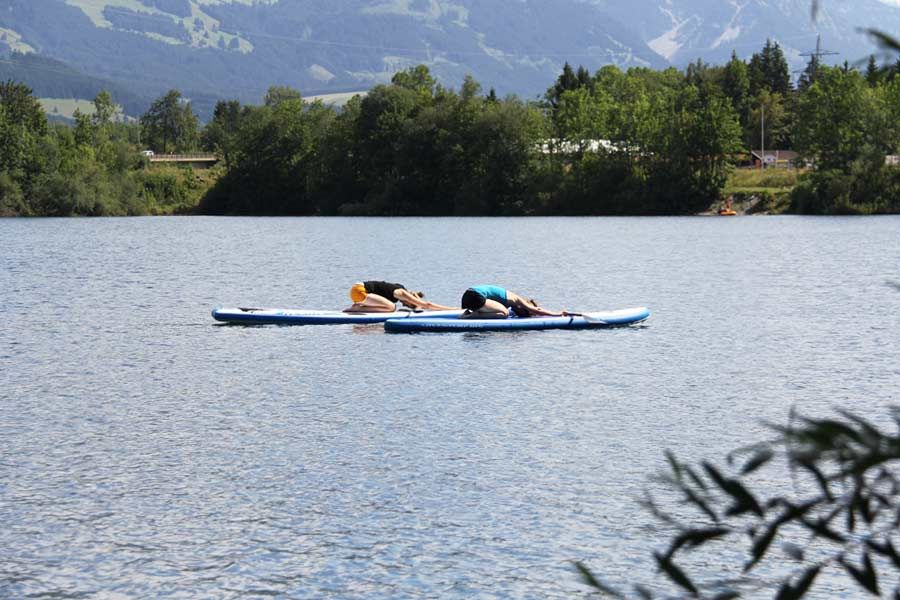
x: 840, y: 513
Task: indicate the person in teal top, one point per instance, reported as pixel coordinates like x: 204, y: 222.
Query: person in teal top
x: 494, y: 302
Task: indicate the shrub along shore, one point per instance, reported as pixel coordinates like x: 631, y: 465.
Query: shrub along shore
x: 635, y: 142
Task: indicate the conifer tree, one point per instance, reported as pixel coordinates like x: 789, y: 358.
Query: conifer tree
x: 769, y: 70
x: 873, y: 72
x: 736, y: 85
x: 567, y: 80
x: 810, y: 73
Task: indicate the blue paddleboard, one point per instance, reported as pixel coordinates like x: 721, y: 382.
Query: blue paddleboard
x: 593, y: 320
x: 282, y: 316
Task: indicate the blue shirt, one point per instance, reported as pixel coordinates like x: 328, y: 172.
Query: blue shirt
x: 492, y: 292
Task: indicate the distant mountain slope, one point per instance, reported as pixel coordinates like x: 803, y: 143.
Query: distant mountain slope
x: 50, y: 78
x: 683, y: 30
x: 231, y: 48
x: 237, y: 48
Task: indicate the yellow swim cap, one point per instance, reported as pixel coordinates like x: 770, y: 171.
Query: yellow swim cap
x: 358, y: 292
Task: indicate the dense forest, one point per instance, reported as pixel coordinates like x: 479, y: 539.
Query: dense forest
x: 635, y: 142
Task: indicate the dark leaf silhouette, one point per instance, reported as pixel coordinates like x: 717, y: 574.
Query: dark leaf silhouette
x: 865, y: 576
x: 674, y: 573
x: 698, y: 537
x: 795, y: 591
x: 698, y: 502
x: 756, y: 461
x: 761, y: 544
x: 743, y: 499
x: 885, y: 549
x: 588, y: 577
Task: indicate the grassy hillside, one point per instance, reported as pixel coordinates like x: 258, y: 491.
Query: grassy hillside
x: 65, y: 108
x: 769, y: 180
x: 761, y: 191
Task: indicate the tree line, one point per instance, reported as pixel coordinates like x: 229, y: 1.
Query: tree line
x: 638, y: 141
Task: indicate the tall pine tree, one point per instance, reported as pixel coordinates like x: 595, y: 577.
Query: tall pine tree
x: 873, y: 72
x: 736, y: 86
x: 769, y: 71
x: 810, y: 73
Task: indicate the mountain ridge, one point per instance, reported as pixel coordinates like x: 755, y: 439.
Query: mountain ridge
x: 237, y: 48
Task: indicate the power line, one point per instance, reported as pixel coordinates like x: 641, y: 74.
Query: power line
x: 818, y: 53
x: 815, y: 58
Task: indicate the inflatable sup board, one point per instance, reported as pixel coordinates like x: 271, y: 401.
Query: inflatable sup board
x: 283, y: 316
x: 614, y: 318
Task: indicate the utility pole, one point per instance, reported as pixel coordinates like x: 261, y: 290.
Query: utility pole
x: 815, y: 57
x: 762, y: 137
x: 818, y: 52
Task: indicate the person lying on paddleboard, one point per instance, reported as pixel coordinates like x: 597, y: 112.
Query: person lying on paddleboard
x: 381, y: 296
x: 493, y: 302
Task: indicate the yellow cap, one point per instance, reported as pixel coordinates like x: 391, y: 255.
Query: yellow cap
x: 358, y: 292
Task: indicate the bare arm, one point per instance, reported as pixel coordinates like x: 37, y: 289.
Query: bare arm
x: 433, y: 306
x: 521, y: 305
x: 543, y: 312
x: 410, y: 299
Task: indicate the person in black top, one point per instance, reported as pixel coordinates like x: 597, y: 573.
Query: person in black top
x: 381, y: 296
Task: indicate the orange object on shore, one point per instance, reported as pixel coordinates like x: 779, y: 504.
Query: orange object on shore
x: 726, y: 210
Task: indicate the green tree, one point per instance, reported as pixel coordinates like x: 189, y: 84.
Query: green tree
x: 770, y: 115
x: 170, y: 124
x: 85, y: 130
x: 583, y: 116
x: 810, y: 73
x: 736, y: 86
x: 12, y: 200
x: 221, y: 133
x: 278, y: 94
x: 417, y: 79
x: 22, y: 126
x: 697, y: 73
x: 833, y: 119
x: 768, y: 70
x: 22, y: 108
x: 384, y: 114
x: 889, y: 98
x: 104, y: 109
x: 272, y: 157
x: 873, y: 72
x: 692, y: 150
x: 568, y: 80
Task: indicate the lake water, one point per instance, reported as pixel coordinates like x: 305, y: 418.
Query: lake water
x: 146, y: 451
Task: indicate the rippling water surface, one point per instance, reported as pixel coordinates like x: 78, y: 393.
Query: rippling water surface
x: 146, y: 451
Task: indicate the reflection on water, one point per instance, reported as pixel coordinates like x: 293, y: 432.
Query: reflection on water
x: 149, y: 452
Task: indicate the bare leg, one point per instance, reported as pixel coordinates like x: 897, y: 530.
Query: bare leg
x: 373, y: 303
x: 527, y: 308
x: 491, y: 310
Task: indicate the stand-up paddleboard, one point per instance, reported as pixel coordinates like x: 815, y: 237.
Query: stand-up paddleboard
x: 283, y: 316
x: 614, y: 318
